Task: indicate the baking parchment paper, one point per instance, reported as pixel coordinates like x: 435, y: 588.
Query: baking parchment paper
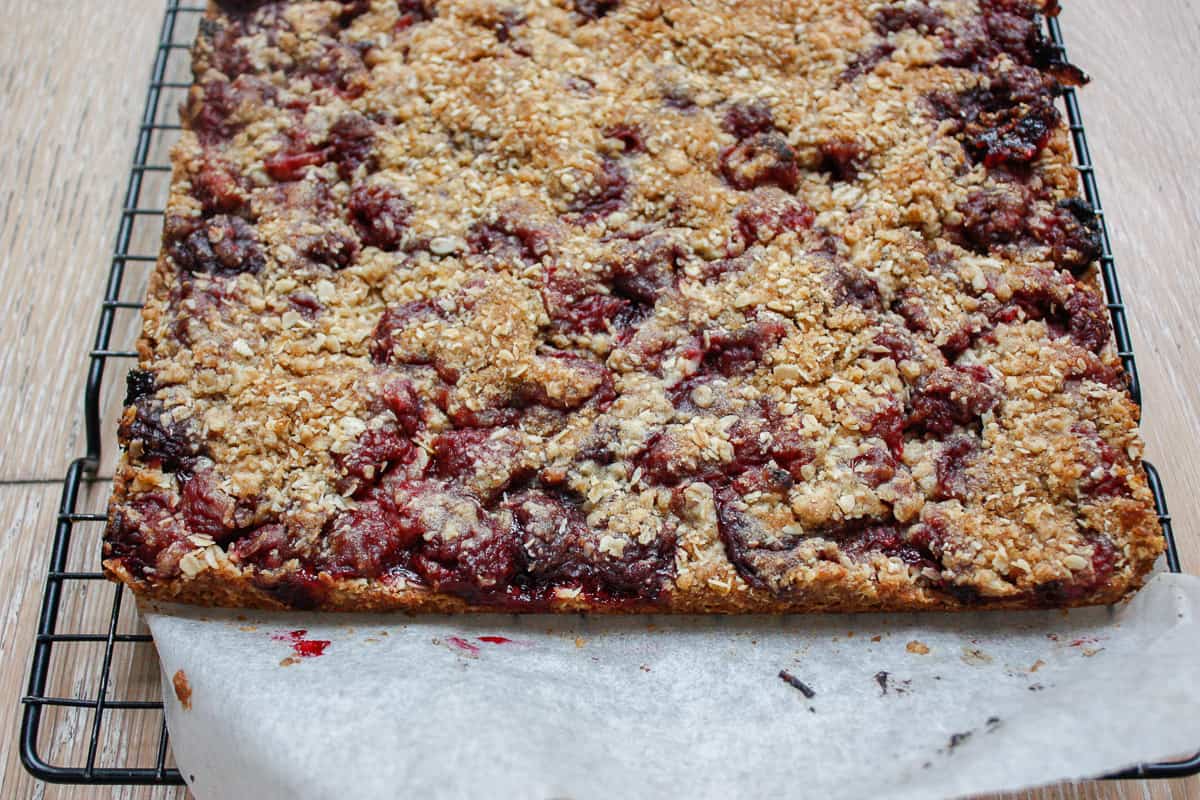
x: 504, y: 706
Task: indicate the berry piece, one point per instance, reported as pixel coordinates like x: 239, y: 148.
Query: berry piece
x: 138, y: 384
x: 155, y: 438
x: 950, y: 396
x: 606, y: 194
x: 222, y: 245
x: 561, y: 549
x: 764, y: 159
x: 592, y: 10
x: 380, y: 214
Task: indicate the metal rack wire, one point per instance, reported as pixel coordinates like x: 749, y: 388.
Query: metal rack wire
x: 76, y: 527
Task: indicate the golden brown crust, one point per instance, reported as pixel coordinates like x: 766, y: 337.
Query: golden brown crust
x: 623, y: 306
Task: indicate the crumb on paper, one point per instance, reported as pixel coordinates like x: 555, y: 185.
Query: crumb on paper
x: 289, y: 660
x: 1088, y: 652
x: 956, y: 739
x: 247, y: 628
x: 796, y: 683
x: 644, y: 668
x: 1037, y: 665
x: 877, y: 637
x: 580, y: 641
x: 183, y: 689
x: 918, y: 647
x: 975, y: 657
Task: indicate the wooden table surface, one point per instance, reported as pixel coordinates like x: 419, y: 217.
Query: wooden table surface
x: 72, y: 82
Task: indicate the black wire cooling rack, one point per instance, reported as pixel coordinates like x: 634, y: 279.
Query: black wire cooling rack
x: 111, y: 639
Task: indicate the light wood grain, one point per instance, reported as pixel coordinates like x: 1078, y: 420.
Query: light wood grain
x: 72, y: 82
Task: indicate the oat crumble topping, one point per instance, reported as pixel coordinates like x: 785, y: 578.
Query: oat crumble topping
x: 628, y: 305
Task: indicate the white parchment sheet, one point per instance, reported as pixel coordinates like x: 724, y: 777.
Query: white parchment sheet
x: 501, y: 706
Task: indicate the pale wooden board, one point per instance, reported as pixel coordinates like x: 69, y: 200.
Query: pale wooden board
x: 72, y: 83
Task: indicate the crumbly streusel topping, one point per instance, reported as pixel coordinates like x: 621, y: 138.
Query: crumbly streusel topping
x: 629, y: 298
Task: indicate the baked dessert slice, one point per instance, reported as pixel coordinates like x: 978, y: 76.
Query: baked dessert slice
x: 628, y: 305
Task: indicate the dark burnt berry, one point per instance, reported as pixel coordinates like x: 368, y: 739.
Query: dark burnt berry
x: 138, y: 384
x: 156, y: 437
x: 842, y: 159
x: 745, y: 119
x: 628, y: 135
x: 853, y: 286
x: 352, y: 10
x: 950, y: 396
x: 594, y: 9
x: 1072, y: 232
x: 222, y: 245
x: 764, y: 159
x: 380, y: 214
x: 413, y: 12
x: 561, y: 549
x: 953, y: 461
x: 606, y: 194
x: 1014, y: 136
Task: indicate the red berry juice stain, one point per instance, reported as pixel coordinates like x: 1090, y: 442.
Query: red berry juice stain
x: 305, y: 648
x: 463, y: 644
x: 495, y: 639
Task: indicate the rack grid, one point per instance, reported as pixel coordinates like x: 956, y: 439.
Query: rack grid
x: 169, y: 73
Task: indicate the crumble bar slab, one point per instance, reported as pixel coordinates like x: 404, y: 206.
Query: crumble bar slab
x: 625, y: 305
